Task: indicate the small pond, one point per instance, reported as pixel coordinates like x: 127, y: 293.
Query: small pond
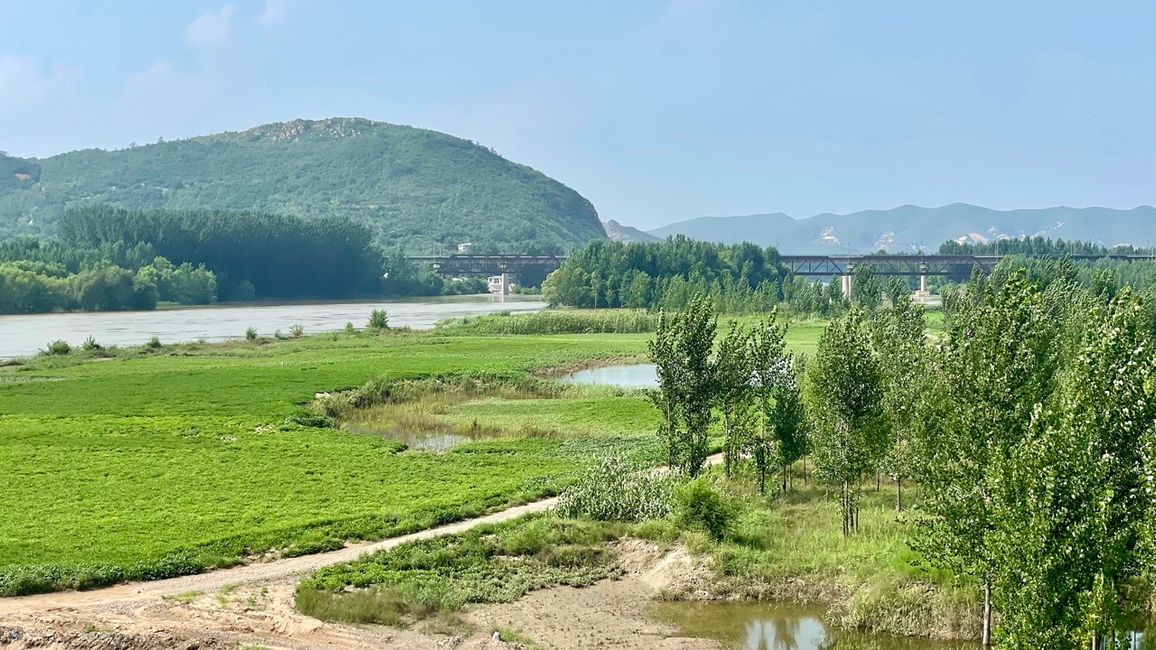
x: 421, y: 441
x: 641, y: 375
x: 765, y: 626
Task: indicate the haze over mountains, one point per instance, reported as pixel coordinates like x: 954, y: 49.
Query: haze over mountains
x: 911, y: 228
x: 427, y: 192
x: 420, y: 189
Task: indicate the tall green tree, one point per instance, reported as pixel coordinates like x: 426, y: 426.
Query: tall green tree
x: 899, y: 337
x: 682, y: 352
x: 733, y: 368
x: 779, y: 439
x: 1075, y: 534
x: 843, y: 393
x: 995, y: 372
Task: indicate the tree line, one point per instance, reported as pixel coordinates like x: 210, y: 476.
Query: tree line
x: 111, y: 259
x: 739, y: 278
x: 1039, y: 246
x: 1029, y: 426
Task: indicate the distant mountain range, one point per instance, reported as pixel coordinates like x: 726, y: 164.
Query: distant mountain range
x: 618, y: 232
x: 420, y: 189
x: 911, y: 228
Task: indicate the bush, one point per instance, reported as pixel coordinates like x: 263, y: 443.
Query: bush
x: 251, y: 334
x: 153, y: 344
x: 58, y: 347
x: 378, y: 320
x: 296, y: 331
x: 90, y: 345
x: 617, y: 321
x: 615, y: 491
x: 701, y: 506
x: 350, y: 329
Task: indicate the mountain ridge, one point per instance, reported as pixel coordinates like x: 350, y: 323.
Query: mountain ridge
x: 417, y: 188
x: 909, y: 228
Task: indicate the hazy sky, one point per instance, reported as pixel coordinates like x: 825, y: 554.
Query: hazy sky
x: 656, y: 111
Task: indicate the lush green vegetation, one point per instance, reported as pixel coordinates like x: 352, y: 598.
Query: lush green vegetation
x: 738, y: 279
x: 111, y: 259
x: 487, y: 564
x: 194, y: 456
x: 419, y: 189
x: 614, y: 321
x: 1038, y: 246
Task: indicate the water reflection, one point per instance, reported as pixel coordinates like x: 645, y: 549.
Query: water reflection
x: 755, y: 626
x: 640, y: 375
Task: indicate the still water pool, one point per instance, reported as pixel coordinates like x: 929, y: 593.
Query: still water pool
x: 767, y: 626
x: 640, y: 375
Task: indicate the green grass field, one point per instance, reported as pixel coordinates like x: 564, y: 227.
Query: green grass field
x: 159, y: 463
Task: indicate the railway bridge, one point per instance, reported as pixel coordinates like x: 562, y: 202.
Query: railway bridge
x: 826, y: 266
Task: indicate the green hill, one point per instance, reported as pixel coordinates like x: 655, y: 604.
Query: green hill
x: 424, y: 190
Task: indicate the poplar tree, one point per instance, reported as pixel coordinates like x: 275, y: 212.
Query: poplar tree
x: 899, y: 337
x: 995, y: 372
x: 733, y: 391
x: 1078, y: 534
x: 682, y: 352
x: 779, y: 439
x: 843, y: 393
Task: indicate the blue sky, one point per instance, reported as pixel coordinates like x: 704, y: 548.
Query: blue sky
x: 656, y: 111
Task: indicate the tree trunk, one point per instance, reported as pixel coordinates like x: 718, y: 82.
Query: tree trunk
x: 844, y: 506
x: 987, y: 611
x: 898, y: 494
x: 878, y: 480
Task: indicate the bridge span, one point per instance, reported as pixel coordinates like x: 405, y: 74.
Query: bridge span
x: 827, y: 266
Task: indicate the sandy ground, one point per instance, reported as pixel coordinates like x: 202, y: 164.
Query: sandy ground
x: 251, y: 606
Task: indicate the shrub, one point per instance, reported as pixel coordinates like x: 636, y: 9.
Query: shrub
x: 700, y: 505
x: 90, y: 345
x: 617, y: 321
x: 251, y: 334
x: 278, y: 335
x: 615, y: 491
x: 378, y: 320
x: 153, y: 344
x: 350, y: 329
x: 58, y: 347
x: 296, y: 330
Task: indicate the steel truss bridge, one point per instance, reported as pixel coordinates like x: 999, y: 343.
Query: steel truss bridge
x: 911, y: 265
x: 461, y: 265
x: 464, y: 265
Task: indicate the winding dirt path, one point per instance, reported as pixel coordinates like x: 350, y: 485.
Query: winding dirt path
x: 252, y: 606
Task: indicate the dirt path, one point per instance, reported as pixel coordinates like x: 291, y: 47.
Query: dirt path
x: 252, y: 606
x: 259, y: 573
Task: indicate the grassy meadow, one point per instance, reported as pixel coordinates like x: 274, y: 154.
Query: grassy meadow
x: 146, y: 463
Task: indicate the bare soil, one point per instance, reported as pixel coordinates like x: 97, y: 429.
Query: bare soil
x: 251, y: 606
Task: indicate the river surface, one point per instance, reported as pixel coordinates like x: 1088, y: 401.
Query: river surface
x: 767, y: 626
x: 641, y: 375
x: 25, y: 335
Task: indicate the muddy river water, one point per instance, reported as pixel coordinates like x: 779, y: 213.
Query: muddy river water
x: 24, y: 335
x: 762, y: 626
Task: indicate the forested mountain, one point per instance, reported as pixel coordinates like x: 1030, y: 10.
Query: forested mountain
x: 420, y: 189
x: 909, y: 228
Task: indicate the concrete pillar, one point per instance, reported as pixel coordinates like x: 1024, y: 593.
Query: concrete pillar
x: 847, y: 286
x: 923, y: 282
x: 505, y: 283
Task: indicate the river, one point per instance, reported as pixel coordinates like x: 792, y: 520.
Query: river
x: 25, y: 335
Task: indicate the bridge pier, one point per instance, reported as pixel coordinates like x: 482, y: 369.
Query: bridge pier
x: 847, y: 286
